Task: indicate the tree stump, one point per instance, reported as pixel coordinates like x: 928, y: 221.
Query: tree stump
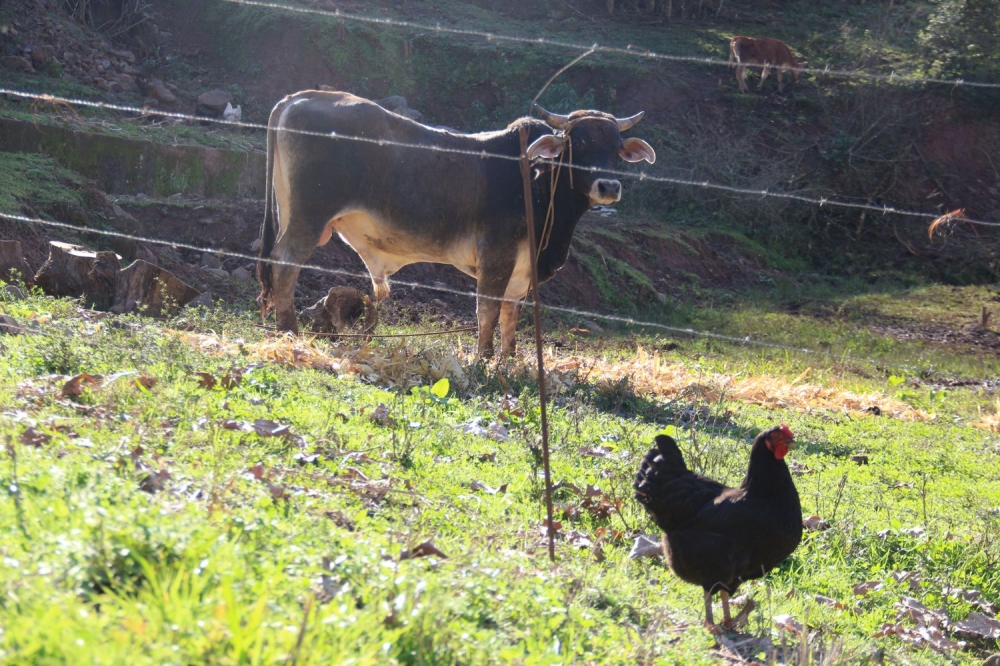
x: 12, y: 263
x: 341, y: 309
x: 73, y: 270
x: 147, y: 288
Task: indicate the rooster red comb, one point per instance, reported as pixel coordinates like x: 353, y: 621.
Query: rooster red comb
x: 787, y: 432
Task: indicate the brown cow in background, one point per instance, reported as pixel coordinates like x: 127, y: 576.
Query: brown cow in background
x: 764, y: 51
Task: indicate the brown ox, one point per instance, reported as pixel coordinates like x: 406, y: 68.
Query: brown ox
x: 764, y: 51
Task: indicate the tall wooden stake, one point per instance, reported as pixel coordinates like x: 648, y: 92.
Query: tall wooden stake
x: 529, y: 210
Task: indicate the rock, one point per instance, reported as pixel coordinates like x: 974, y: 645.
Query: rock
x: 209, y: 260
x: 16, y: 64
x: 13, y: 292
x: 256, y: 245
x: 12, y: 262
x: 156, y: 89
x: 42, y: 54
x: 396, y: 103
x: 102, y: 85
x: 10, y: 326
x: 204, y: 299
x: 216, y: 272
x: 127, y: 56
x: 340, y: 309
x: 242, y: 274
x: 143, y: 287
x: 70, y: 57
x: 73, y: 270
x: 591, y: 326
x: 661, y: 298
x: 213, y: 103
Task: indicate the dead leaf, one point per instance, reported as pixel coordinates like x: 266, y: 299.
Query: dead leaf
x: 382, y: 417
x: 582, y: 332
x: 231, y: 379
x: 74, y: 387
x: 205, y: 380
x: 909, y: 577
x: 595, y: 451
x: 487, y: 457
x: 861, y: 589
x: 269, y: 428
x: 828, y: 601
x: 861, y: 459
x: 154, y: 481
x: 788, y: 624
x: 257, y: 471
x: 32, y: 437
x: 815, y: 524
x: 579, y: 539
x: 145, y: 381
x: 978, y: 626
x: 306, y: 458
x: 645, y: 546
x: 920, y: 613
x: 477, y: 486
x: 426, y: 549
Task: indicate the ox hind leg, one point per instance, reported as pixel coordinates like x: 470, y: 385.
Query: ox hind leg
x: 291, y: 251
x: 741, y: 73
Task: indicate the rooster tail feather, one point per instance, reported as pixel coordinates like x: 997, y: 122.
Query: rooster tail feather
x: 672, y: 459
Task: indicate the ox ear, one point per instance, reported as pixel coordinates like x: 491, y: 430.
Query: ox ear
x: 636, y: 150
x: 548, y: 146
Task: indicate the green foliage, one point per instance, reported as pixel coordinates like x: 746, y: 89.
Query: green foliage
x: 963, y: 38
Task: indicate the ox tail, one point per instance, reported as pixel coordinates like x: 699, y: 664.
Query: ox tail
x: 269, y: 228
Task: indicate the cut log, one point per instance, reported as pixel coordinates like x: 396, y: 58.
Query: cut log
x: 339, y: 310
x: 73, y: 270
x: 12, y: 263
x: 147, y: 288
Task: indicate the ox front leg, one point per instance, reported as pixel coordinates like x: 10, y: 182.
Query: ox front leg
x: 490, y: 290
x: 763, y: 77
x: 509, y: 313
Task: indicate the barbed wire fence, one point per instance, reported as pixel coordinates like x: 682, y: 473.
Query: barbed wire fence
x: 914, y: 216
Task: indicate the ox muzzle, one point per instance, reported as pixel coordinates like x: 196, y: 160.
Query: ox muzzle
x: 605, y: 191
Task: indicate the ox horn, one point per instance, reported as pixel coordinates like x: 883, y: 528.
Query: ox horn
x: 556, y: 120
x: 628, y: 123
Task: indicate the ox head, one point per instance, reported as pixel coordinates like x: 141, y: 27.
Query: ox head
x: 591, y: 141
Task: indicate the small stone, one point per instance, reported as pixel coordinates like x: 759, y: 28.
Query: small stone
x: 214, y: 101
x: 661, y: 298
x: 102, y: 85
x: 209, y: 260
x: 241, y: 274
x: 591, y: 326
x: 216, y: 272
x: 255, y: 245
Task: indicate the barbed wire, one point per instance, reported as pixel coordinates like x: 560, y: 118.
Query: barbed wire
x: 482, y: 154
x: 744, y: 341
x: 630, y: 50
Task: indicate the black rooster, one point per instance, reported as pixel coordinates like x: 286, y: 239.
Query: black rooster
x: 715, y: 536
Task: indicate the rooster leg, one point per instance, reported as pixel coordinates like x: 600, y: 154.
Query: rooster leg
x: 708, y: 608
x: 726, y: 619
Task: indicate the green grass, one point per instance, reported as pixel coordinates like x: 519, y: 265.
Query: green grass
x: 27, y: 178
x: 138, y: 527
